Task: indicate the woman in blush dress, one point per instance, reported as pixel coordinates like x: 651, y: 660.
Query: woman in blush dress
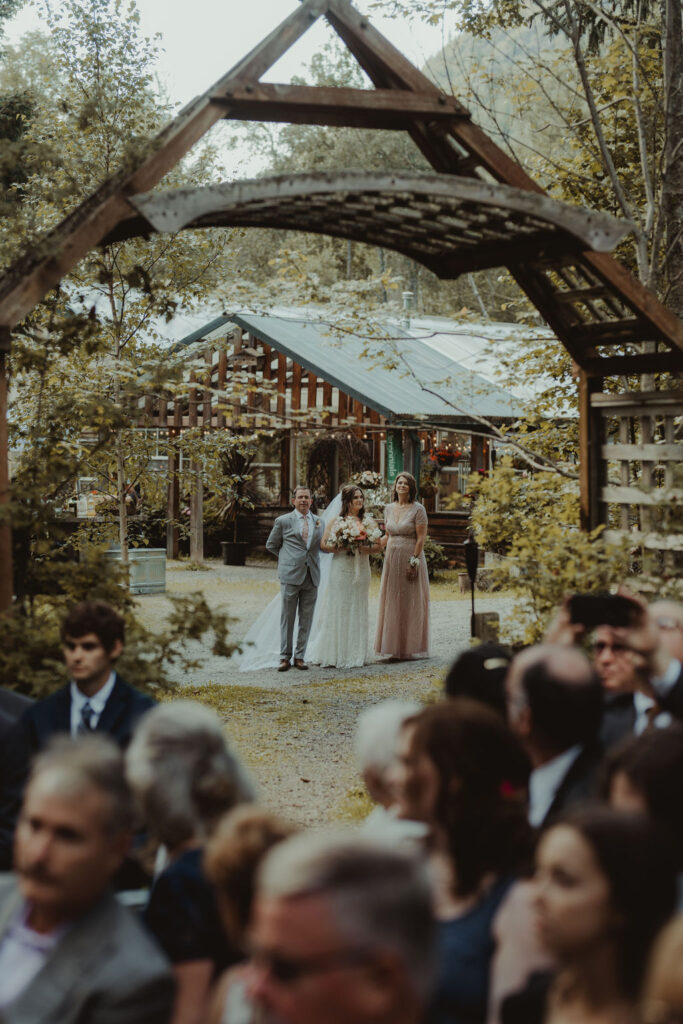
x: 403, y: 621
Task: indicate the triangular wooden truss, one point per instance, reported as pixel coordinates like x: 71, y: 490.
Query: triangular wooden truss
x: 607, y: 320
x: 591, y: 302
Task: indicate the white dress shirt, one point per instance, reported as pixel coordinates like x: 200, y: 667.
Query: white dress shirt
x: 311, y: 521
x: 642, y: 705
x: 97, y: 703
x: 545, y: 781
x: 22, y: 954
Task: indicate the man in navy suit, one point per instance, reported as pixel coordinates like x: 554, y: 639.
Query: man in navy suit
x: 95, y: 700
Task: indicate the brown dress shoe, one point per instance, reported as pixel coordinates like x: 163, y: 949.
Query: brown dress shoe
x: 299, y: 663
x: 284, y: 665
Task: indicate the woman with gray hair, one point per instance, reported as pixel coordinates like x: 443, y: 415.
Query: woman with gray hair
x: 184, y: 778
x: 374, y: 746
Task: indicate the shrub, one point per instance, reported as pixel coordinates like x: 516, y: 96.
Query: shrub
x: 534, y: 521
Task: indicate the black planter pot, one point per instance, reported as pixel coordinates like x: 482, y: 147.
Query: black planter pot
x: 234, y: 552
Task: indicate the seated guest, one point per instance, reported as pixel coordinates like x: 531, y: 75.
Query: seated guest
x: 480, y: 673
x: 231, y: 862
x: 641, y: 677
x: 12, y: 706
x: 342, y: 933
x: 69, y: 953
x: 462, y: 772
x: 555, y: 707
x: 184, y: 778
x: 374, y: 745
x: 663, y: 998
x: 628, y: 710
x: 644, y: 774
x: 668, y: 618
x: 604, y: 886
x: 95, y: 700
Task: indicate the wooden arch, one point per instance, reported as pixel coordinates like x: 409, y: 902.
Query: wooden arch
x: 450, y: 225
x: 609, y: 323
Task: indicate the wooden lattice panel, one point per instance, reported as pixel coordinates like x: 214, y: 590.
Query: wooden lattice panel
x: 641, y: 470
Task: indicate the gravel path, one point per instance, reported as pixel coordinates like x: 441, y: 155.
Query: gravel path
x: 295, y: 730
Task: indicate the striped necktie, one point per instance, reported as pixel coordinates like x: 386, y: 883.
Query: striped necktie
x: 86, y: 724
x: 304, y: 531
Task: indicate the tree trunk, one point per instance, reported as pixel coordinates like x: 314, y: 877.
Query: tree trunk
x: 121, y: 494
x: 672, y: 184
x: 6, y: 587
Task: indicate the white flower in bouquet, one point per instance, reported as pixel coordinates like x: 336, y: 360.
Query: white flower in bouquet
x: 349, y: 534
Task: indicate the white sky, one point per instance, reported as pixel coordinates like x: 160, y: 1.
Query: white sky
x: 203, y: 39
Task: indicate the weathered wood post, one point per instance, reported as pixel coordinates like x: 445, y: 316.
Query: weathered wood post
x: 6, y: 574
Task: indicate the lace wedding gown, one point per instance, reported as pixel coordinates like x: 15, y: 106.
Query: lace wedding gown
x: 341, y: 638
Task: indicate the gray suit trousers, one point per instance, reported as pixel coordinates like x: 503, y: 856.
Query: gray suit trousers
x: 302, y: 599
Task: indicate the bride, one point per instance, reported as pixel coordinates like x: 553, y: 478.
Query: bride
x: 339, y: 633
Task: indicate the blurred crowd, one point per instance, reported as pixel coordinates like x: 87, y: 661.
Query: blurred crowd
x: 522, y: 863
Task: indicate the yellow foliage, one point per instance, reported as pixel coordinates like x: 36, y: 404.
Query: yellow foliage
x: 533, y: 521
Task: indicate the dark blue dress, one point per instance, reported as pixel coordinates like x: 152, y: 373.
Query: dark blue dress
x: 465, y: 946
x: 182, y: 914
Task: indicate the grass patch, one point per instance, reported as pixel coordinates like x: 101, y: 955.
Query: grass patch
x: 355, y: 806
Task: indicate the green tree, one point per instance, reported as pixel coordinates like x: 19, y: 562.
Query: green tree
x: 99, y: 343
x: 82, y: 361
x: 593, y: 116
x: 532, y: 520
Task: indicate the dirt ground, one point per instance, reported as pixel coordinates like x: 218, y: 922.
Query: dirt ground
x: 295, y: 730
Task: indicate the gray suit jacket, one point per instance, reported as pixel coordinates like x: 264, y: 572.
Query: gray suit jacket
x: 105, y: 970
x: 293, y: 559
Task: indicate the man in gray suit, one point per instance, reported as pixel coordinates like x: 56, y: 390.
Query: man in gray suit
x: 69, y: 952
x: 295, y: 539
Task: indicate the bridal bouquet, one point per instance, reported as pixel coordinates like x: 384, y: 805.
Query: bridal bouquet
x: 349, y: 534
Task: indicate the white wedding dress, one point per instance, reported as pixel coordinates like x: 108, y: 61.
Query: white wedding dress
x: 339, y: 632
x: 341, y: 639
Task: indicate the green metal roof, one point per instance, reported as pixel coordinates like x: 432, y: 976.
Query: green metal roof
x: 400, y: 376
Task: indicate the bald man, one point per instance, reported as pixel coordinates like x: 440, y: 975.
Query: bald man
x: 554, y: 700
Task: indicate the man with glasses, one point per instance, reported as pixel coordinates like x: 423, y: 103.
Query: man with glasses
x: 96, y: 699
x: 639, y: 666
x: 342, y: 933
x: 627, y: 708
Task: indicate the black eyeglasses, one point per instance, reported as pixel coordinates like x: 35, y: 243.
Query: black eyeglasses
x: 287, y: 970
x: 617, y: 648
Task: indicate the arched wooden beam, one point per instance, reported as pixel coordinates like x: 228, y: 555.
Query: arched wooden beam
x: 451, y: 225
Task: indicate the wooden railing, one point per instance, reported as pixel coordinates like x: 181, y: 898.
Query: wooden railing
x: 449, y: 529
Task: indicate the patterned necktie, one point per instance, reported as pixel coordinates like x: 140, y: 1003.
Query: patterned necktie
x: 86, y: 724
x: 304, y: 531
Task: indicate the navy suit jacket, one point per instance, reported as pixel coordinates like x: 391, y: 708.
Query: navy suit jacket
x: 36, y: 727
x: 673, y: 702
x: 579, y: 784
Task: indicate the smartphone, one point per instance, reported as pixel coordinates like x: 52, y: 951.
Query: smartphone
x: 593, y: 610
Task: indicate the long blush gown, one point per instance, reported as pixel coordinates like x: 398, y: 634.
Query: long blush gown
x: 403, y: 621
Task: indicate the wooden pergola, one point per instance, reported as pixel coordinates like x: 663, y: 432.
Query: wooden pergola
x: 610, y: 324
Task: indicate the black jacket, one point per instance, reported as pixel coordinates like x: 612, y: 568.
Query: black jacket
x: 36, y: 727
x: 579, y: 784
